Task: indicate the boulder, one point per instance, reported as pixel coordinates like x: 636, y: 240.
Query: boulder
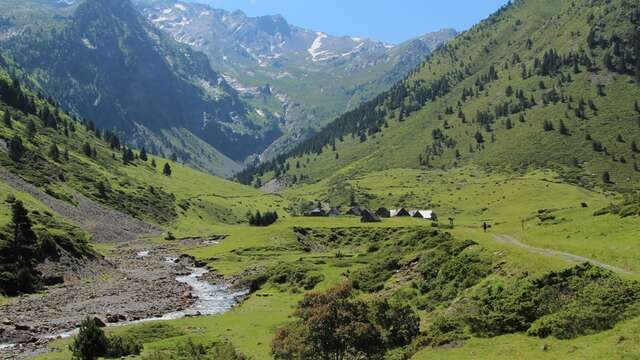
x: 22, y: 327
x: 99, y: 322
x: 115, y: 318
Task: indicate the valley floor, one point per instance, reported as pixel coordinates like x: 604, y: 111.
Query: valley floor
x: 526, y: 245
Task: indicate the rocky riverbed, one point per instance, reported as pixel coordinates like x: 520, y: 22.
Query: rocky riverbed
x: 133, y: 285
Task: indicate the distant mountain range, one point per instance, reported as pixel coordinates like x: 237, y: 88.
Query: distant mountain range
x: 539, y: 84
x: 307, y: 77
x: 139, y: 70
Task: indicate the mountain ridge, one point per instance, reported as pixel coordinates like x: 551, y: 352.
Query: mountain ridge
x: 510, y: 77
x: 307, y: 77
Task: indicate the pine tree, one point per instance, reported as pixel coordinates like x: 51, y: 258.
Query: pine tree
x: 563, y: 129
x: 606, y: 178
x: 143, y: 154
x: 24, y: 246
x: 634, y: 147
x: 86, y: 149
x: 102, y: 189
x: 166, y: 171
x: 479, y: 138
x: 25, y: 240
x: 7, y: 119
x: 153, y: 163
x: 508, y: 124
x: 66, y: 154
x: 54, y: 152
x: 16, y: 148
x: 127, y: 156
x: 90, y: 343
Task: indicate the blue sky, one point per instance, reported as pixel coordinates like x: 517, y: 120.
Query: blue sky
x: 389, y: 20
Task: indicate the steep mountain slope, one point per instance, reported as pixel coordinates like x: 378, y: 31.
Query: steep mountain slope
x: 540, y: 83
x: 305, y: 76
x: 106, y: 62
x: 70, y: 165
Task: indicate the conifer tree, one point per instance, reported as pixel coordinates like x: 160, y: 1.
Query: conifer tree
x: 606, y: 177
x: 563, y: 128
x: 166, y: 171
x: 16, y: 148
x: 24, y: 245
x: 508, y: 124
x: 7, y: 119
x: 634, y: 147
x: 479, y: 138
x: 90, y: 343
x: 54, y: 152
x: 143, y: 154
x: 86, y: 149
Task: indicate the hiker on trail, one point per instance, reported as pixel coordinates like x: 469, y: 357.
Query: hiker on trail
x: 485, y: 226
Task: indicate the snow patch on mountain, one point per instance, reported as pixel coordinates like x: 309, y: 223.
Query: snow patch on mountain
x: 87, y: 43
x: 180, y: 7
x: 314, y: 50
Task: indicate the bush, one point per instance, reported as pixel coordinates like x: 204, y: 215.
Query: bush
x: 373, y: 277
x: 265, y: 219
x: 90, y: 343
x: 577, y: 301
x: 119, y: 347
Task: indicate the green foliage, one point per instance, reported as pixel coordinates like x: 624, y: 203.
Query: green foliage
x: 259, y: 219
x: 118, y: 347
x: 469, y: 76
x: 332, y: 326
x: 398, y: 323
x: 166, y: 170
x: 285, y: 275
x: 373, y: 277
x: 16, y: 149
x: 90, y: 343
x: 30, y: 239
x: 578, y: 301
x: 189, y: 350
x: 336, y: 325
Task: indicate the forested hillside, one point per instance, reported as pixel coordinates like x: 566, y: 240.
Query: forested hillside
x: 66, y: 157
x: 102, y: 60
x: 540, y: 83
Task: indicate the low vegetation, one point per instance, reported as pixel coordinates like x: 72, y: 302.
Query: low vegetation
x: 335, y: 325
x: 92, y: 343
x: 259, y: 219
x: 29, y: 239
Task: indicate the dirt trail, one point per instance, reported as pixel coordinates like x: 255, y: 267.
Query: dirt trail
x: 506, y: 239
x: 106, y: 225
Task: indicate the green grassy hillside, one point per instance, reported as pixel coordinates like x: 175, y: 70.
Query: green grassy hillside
x: 542, y: 84
x: 62, y: 155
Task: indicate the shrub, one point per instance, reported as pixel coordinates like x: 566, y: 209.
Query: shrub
x: 266, y: 219
x: 90, y: 343
x: 119, y: 347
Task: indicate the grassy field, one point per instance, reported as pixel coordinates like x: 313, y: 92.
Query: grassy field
x: 622, y: 342
x: 251, y: 325
x: 509, y: 203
